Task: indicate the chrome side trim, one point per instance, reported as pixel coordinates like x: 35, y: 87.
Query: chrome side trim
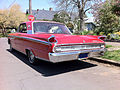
x: 35, y: 40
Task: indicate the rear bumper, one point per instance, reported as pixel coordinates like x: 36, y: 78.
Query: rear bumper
x: 68, y: 56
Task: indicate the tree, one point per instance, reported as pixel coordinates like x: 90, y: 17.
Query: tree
x: 11, y: 17
x: 107, y: 20
x: 62, y: 17
x: 3, y: 20
x: 116, y: 7
x: 80, y: 6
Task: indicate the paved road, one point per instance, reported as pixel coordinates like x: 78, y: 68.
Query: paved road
x: 17, y: 74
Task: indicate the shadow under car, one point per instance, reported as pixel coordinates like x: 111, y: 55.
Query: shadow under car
x: 51, y: 69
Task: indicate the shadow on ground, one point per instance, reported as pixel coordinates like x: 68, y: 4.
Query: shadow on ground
x: 51, y: 69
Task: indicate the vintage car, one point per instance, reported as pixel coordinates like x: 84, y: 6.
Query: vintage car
x: 52, y: 41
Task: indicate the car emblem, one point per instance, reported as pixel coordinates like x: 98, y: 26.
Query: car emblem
x: 84, y: 41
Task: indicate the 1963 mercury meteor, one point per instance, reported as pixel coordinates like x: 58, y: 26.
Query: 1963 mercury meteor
x: 52, y: 41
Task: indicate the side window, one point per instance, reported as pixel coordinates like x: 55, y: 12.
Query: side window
x: 23, y: 28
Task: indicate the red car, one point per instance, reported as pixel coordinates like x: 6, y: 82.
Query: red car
x: 52, y: 41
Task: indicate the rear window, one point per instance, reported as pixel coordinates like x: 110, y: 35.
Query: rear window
x: 43, y: 27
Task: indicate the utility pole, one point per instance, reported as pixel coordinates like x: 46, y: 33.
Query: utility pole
x: 30, y: 7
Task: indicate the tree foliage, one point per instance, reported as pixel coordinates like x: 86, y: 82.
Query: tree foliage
x: 80, y: 6
x: 107, y: 20
x: 62, y: 17
x: 116, y: 7
x: 11, y: 17
x: 65, y: 18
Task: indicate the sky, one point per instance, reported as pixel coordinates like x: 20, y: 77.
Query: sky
x: 36, y: 4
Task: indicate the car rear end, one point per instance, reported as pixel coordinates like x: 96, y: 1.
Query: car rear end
x: 68, y: 52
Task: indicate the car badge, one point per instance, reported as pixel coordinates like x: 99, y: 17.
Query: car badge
x: 84, y: 41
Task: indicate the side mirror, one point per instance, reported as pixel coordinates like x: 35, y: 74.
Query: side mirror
x: 13, y: 31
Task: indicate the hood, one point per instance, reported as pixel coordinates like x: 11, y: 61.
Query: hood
x: 67, y: 39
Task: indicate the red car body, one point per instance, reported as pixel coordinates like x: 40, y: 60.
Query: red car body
x: 56, y: 46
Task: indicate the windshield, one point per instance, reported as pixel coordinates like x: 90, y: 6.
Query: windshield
x: 44, y: 27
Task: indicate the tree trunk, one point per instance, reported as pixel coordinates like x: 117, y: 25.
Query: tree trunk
x: 81, y: 25
x: 4, y: 33
x: 81, y: 16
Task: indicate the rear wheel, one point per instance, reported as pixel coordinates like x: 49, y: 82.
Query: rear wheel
x: 31, y: 57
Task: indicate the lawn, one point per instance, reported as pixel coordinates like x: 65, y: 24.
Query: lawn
x: 0, y: 35
x: 108, y: 46
x: 112, y: 55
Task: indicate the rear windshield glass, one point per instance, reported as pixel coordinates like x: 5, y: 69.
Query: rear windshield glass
x: 43, y: 27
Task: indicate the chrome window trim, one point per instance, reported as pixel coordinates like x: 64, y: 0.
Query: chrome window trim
x: 35, y: 40
x: 33, y: 32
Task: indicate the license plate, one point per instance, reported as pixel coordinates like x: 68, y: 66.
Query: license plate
x: 83, y: 55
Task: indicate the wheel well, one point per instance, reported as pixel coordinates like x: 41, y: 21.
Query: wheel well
x: 27, y: 50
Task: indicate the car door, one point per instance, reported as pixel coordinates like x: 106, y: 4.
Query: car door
x: 22, y: 31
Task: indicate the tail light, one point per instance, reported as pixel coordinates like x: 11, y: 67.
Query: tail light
x: 102, y: 37
x: 52, y: 39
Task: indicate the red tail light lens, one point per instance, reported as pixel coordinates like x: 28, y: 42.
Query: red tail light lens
x: 102, y: 37
x: 52, y: 39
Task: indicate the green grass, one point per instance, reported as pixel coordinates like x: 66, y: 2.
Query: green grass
x: 1, y: 35
x: 112, y: 55
x: 108, y: 46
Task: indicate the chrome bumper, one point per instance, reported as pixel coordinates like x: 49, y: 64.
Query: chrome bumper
x: 68, y: 56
